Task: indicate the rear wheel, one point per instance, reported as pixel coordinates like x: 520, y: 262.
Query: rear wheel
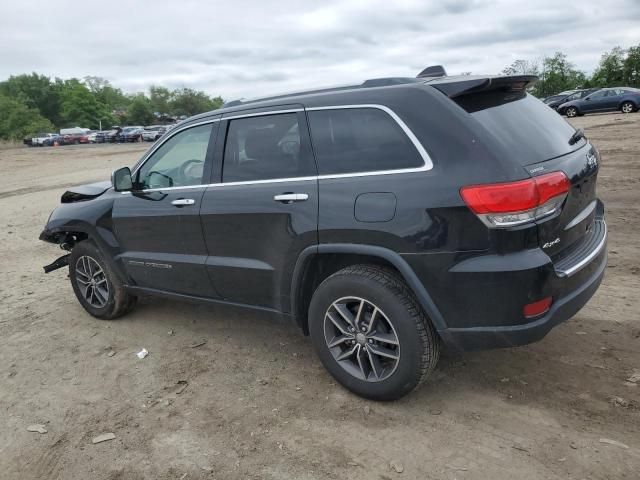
x: 627, y: 107
x: 97, y: 287
x: 571, y: 112
x: 370, y: 333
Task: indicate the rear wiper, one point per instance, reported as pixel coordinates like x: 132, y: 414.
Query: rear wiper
x: 577, y: 135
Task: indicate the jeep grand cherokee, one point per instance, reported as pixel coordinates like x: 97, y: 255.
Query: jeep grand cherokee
x: 386, y: 219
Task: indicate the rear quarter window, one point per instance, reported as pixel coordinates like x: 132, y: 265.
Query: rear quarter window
x: 351, y: 140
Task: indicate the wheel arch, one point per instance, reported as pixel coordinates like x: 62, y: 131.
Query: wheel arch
x: 317, y: 262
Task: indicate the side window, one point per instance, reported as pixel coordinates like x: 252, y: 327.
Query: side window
x: 352, y: 140
x: 598, y: 94
x: 178, y: 162
x: 265, y: 147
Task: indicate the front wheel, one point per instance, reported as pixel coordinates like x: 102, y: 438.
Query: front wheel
x: 627, y: 107
x: 370, y: 333
x: 97, y: 287
x: 571, y: 112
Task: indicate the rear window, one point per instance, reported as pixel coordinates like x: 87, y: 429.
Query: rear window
x: 524, y: 126
x: 350, y: 140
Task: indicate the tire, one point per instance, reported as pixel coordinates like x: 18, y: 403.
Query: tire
x: 399, y: 317
x: 571, y: 112
x: 627, y: 107
x: 109, y: 301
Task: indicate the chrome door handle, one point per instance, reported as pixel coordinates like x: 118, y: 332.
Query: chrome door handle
x: 291, y: 197
x: 181, y: 202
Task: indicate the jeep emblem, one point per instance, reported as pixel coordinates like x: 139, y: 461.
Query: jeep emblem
x: 592, y: 161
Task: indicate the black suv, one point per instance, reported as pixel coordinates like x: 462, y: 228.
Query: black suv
x: 386, y: 219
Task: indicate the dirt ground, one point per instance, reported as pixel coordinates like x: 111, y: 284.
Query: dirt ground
x: 258, y: 404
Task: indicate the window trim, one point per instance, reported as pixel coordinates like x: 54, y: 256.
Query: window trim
x: 428, y: 163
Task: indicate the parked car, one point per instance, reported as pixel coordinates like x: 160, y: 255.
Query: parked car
x: 106, y: 136
x: 131, y: 134
x: 556, y: 100
x: 74, y: 138
x: 52, y: 140
x: 624, y: 99
x: 408, y: 224
x: 92, y: 135
x: 40, y: 139
x: 153, y: 133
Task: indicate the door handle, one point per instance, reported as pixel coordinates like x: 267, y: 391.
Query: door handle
x: 291, y: 197
x: 181, y: 202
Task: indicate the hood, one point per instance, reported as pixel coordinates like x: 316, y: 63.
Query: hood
x: 85, y: 192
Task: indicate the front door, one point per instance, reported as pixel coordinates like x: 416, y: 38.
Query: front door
x: 264, y: 210
x: 594, y: 102
x: 158, y: 225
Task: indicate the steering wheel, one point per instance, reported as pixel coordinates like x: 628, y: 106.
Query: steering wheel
x: 191, y: 171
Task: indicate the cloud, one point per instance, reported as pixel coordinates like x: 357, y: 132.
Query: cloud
x: 247, y: 48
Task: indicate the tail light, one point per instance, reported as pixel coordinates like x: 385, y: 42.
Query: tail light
x: 515, y: 203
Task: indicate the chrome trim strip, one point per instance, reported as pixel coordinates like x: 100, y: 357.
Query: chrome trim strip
x: 586, y: 260
x: 428, y: 163
x: 582, y: 215
x: 263, y: 114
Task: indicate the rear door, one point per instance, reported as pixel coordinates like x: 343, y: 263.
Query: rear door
x: 158, y: 225
x: 263, y: 209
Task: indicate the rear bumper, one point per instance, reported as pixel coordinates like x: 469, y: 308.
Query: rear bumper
x: 563, y: 308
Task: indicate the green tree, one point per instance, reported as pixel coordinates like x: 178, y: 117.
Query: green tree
x: 106, y: 93
x: 187, y: 101
x: 631, y: 68
x: 522, y: 67
x: 36, y: 92
x: 17, y: 120
x: 610, y: 70
x: 558, y: 74
x: 140, y: 111
x: 161, y: 98
x: 81, y: 108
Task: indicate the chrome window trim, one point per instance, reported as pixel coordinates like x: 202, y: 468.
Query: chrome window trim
x: 428, y: 164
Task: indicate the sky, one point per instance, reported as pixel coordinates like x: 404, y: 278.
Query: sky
x: 251, y: 48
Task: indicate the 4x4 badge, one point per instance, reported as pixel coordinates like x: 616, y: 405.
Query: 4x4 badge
x: 551, y: 243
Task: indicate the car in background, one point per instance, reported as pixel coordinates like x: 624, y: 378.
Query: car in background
x: 106, y: 136
x: 74, y: 138
x: 624, y: 99
x: 131, y: 134
x: 555, y: 101
x: 153, y: 133
x: 92, y: 136
x: 39, y: 139
x: 52, y: 141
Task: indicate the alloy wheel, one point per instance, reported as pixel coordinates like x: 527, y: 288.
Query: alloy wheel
x: 571, y: 112
x: 627, y: 107
x: 92, y: 281
x: 361, y: 339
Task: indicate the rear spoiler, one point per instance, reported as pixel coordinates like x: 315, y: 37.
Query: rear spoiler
x: 454, y: 87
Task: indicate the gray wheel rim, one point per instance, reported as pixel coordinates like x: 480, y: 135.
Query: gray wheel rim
x: 92, y: 282
x: 361, y: 339
x: 626, y: 108
x: 571, y: 112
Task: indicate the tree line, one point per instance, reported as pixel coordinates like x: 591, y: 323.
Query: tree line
x: 31, y: 103
x: 617, y: 68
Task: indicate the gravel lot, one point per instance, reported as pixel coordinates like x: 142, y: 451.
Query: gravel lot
x: 258, y: 404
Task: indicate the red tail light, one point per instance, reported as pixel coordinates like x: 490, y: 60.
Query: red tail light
x: 536, y: 309
x: 515, y: 203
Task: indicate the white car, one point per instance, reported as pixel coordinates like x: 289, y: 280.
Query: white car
x: 153, y: 133
x: 41, y: 138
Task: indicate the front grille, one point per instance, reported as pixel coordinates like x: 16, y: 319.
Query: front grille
x: 582, y: 252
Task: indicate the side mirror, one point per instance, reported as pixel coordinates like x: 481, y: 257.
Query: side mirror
x: 587, y: 98
x: 121, y: 179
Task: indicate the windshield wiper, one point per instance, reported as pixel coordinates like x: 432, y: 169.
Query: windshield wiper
x: 578, y: 134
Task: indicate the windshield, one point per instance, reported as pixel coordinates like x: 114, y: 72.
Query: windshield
x: 522, y: 125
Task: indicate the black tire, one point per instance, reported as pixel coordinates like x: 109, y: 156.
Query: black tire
x: 571, y: 112
x: 418, y: 344
x: 118, y: 300
x: 627, y: 107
